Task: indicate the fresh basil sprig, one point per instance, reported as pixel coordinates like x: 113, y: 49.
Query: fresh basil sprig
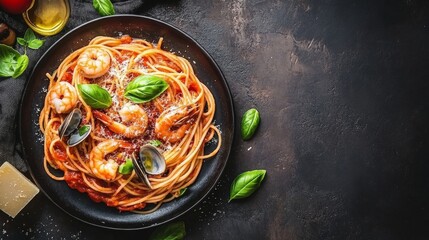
x: 126, y: 167
x: 95, y: 96
x: 249, y: 123
x: 246, y: 183
x: 12, y: 64
x: 103, y: 7
x: 145, y: 88
x: 172, y: 231
x: 30, y: 40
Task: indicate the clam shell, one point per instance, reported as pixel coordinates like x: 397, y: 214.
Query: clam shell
x: 78, y: 136
x: 141, y: 172
x: 150, y: 161
x: 70, y: 123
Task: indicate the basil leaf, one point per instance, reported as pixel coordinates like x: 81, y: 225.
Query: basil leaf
x: 95, y: 96
x: 29, y: 35
x: 21, y: 65
x: 145, y: 88
x: 182, y: 191
x: 8, y: 59
x: 246, y: 183
x: 126, y: 167
x: 103, y: 7
x: 82, y: 130
x: 35, y: 43
x: 30, y: 40
x: 249, y: 123
x: 21, y: 41
x: 172, y: 231
x: 9, y: 62
x: 155, y: 143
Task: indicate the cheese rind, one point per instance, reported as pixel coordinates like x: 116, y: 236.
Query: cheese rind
x: 16, y: 190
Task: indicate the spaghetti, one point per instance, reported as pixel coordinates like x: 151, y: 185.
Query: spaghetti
x: 179, y: 121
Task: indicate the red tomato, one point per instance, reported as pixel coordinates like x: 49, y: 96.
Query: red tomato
x: 15, y: 6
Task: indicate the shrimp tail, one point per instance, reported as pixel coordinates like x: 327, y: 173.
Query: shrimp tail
x: 125, y: 144
x: 131, y: 114
x: 191, y: 110
x: 173, y: 123
x: 102, y: 117
x: 108, y: 121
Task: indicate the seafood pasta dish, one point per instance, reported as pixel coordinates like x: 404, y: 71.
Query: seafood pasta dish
x: 126, y: 123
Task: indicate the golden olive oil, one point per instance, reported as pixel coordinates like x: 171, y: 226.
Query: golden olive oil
x: 47, y: 17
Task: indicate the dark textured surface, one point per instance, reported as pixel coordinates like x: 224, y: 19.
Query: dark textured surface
x: 342, y: 89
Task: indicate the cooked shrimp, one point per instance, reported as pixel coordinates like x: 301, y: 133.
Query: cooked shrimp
x: 130, y: 113
x: 62, y: 97
x: 173, y: 123
x: 94, y: 62
x: 101, y: 167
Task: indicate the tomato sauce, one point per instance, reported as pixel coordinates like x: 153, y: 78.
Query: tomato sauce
x: 125, y: 39
x: 75, y: 181
x: 59, y: 152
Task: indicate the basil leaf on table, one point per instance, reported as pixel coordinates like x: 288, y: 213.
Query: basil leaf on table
x: 249, y: 123
x: 29, y: 35
x: 21, y: 41
x: 103, y: 7
x: 172, y: 231
x: 145, y: 88
x: 21, y: 65
x: 35, y: 43
x: 246, y: 183
x: 12, y: 64
x: 8, y: 59
x: 95, y: 96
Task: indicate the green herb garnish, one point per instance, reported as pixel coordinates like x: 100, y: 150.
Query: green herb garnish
x: 103, y: 7
x: 155, y: 143
x: 12, y: 63
x: 246, y: 183
x: 95, y: 96
x: 182, y: 191
x: 126, y: 167
x: 30, y: 40
x: 249, y: 123
x: 145, y: 88
x: 172, y: 231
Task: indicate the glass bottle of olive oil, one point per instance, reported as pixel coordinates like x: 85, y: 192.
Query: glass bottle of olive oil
x: 47, y: 17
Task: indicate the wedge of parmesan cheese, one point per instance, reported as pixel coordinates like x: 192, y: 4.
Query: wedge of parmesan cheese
x: 16, y: 190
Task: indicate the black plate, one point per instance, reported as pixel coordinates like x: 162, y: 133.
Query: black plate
x: 78, y: 204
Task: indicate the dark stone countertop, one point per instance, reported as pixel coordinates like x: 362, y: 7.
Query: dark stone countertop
x: 342, y: 88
